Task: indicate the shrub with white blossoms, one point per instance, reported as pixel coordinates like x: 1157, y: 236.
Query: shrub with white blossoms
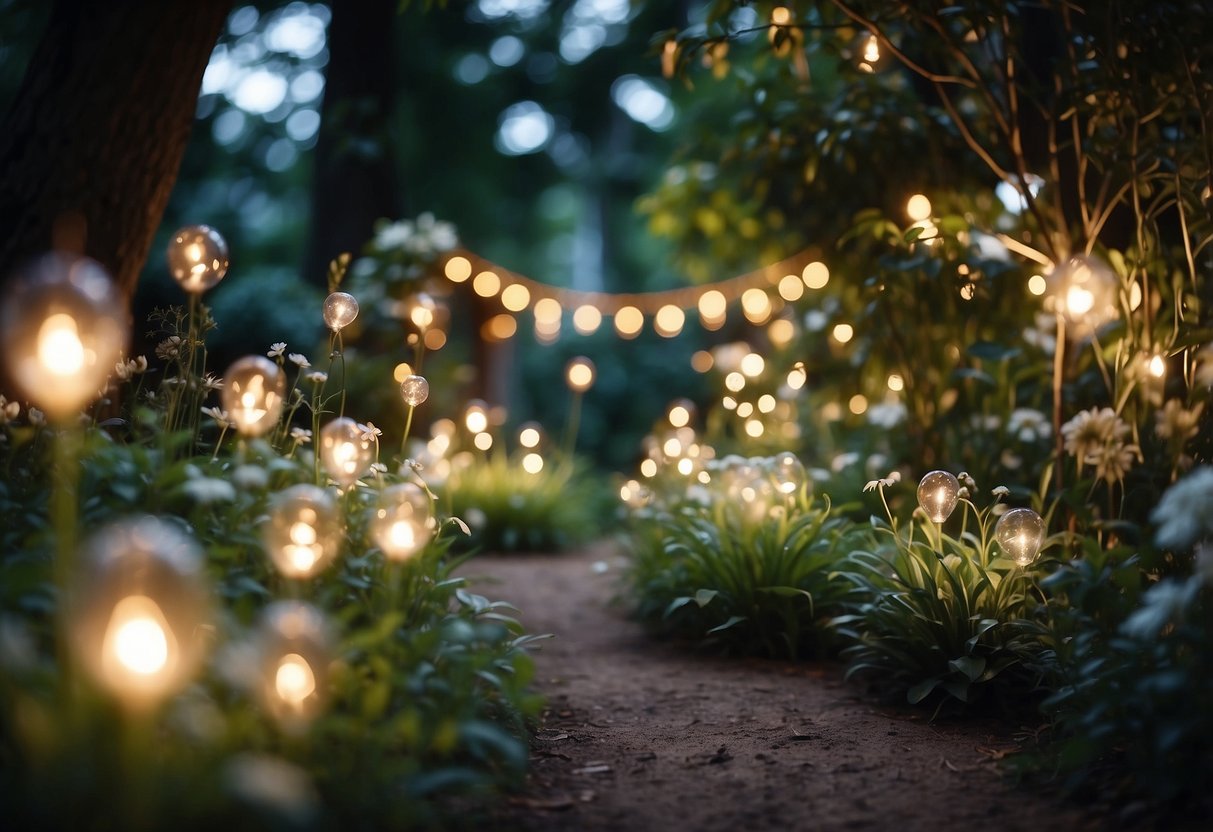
x: 1185, y: 513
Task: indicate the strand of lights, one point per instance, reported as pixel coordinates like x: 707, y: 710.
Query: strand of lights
x: 760, y: 293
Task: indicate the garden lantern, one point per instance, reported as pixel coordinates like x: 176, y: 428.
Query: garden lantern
x: 1084, y: 292
x: 346, y: 450
x: 340, y: 310
x: 63, y: 327
x: 403, y: 523
x: 938, y: 492
x: 197, y: 258
x: 303, y: 531
x: 138, y: 610
x: 294, y: 648
x: 414, y: 390
x: 580, y: 374
x: 1020, y: 532
x: 253, y: 390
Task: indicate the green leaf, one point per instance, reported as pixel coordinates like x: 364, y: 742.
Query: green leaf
x: 970, y: 666
x: 733, y: 620
x: 703, y: 597
x: 921, y: 691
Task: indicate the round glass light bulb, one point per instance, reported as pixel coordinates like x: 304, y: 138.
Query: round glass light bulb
x: 403, y: 522
x: 422, y: 311
x: 340, y: 310
x: 788, y: 473
x: 1084, y: 291
x: 938, y: 492
x: 294, y: 646
x: 414, y: 390
x: 197, y: 258
x: 63, y: 326
x: 303, y: 531
x: 1020, y: 532
x: 252, y: 395
x: 346, y: 451
x: 580, y: 374
x: 138, y: 608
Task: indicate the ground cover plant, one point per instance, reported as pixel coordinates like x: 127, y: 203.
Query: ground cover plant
x: 251, y: 632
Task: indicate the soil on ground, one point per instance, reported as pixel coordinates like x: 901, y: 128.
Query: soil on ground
x: 641, y: 734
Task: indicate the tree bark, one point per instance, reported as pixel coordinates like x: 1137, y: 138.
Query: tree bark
x: 354, y: 181
x: 96, y: 134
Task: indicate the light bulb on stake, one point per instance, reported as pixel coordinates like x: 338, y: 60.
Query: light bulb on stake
x: 788, y: 474
x: 340, y: 310
x: 294, y: 645
x: 403, y: 522
x: 1083, y: 291
x: 938, y: 492
x: 252, y: 395
x: 346, y: 450
x: 303, y: 531
x: 138, y: 610
x: 1020, y: 532
x: 414, y: 390
x: 63, y: 325
x: 197, y: 258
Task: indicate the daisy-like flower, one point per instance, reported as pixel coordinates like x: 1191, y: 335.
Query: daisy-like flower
x: 219, y: 415
x: 370, y: 433
x: 1185, y: 513
x: 210, y: 382
x: 317, y: 377
x: 1174, y: 422
x: 1114, y: 460
x: 884, y: 482
x: 301, y: 435
x: 1028, y: 425
x: 277, y: 349
x: 169, y: 348
x: 299, y: 360
x: 1089, y: 430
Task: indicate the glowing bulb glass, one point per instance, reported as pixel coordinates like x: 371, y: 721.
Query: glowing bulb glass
x: 1020, y: 532
x: 788, y: 473
x: 1084, y: 292
x: 252, y: 395
x: 197, y: 258
x: 294, y: 649
x: 340, y: 310
x: 403, y: 521
x: 580, y: 374
x: 63, y: 326
x: 137, y: 610
x: 303, y: 531
x: 938, y: 492
x: 414, y: 390
x: 346, y: 451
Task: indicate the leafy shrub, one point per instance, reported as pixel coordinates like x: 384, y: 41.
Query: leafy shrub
x: 931, y: 614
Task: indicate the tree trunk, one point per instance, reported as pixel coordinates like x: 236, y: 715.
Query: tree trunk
x: 96, y: 133
x: 354, y: 181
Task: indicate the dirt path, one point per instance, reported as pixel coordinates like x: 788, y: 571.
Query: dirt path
x: 640, y: 736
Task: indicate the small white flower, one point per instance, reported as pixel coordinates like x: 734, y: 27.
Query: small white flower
x: 8, y: 410
x: 843, y: 461
x: 219, y: 415
x: 36, y: 417
x: 277, y: 349
x: 210, y: 382
x: 301, y: 435
x: 250, y: 476
x: 378, y: 468
x: 963, y: 493
x: 169, y: 348
x: 967, y: 480
x: 887, y: 414
x: 884, y: 482
x: 172, y: 381
x: 1174, y: 422
x: 1000, y: 491
x: 396, y: 235
x: 317, y: 377
x: 299, y: 360
x: 122, y: 370
x: 1028, y: 425
x: 370, y: 433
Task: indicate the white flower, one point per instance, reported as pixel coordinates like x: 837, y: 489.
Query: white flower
x: 378, y: 468
x: 169, y: 348
x: 883, y: 482
x: 8, y: 410
x: 1042, y: 335
x: 317, y: 377
x: 301, y: 435
x: 250, y: 476
x: 300, y: 360
x: 36, y: 417
x: 276, y: 349
x: 1185, y: 513
x: 209, y: 490
x: 843, y: 460
x: 122, y: 370
x: 1114, y: 460
x: 967, y: 480
x: 1096, y: 437
x: 396, y: 235
x: 219, y: 415
x: 1028, y: 425
x: 1174, y: 421
x: 1000, y: 491
x: 370, y: 433
x: 210, y: 382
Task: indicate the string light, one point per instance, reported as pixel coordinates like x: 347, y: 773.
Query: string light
x: 669, y: 321
x: 628, y: 322
x: 457, y: 269
x: 587, y: 319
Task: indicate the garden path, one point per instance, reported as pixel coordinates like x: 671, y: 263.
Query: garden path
x: 640, y: 735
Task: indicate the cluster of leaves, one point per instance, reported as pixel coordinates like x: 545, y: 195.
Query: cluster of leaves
x: 756, y: 578
x: 941, y: 615
x: 509, y: 509
x: 428, y: 690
